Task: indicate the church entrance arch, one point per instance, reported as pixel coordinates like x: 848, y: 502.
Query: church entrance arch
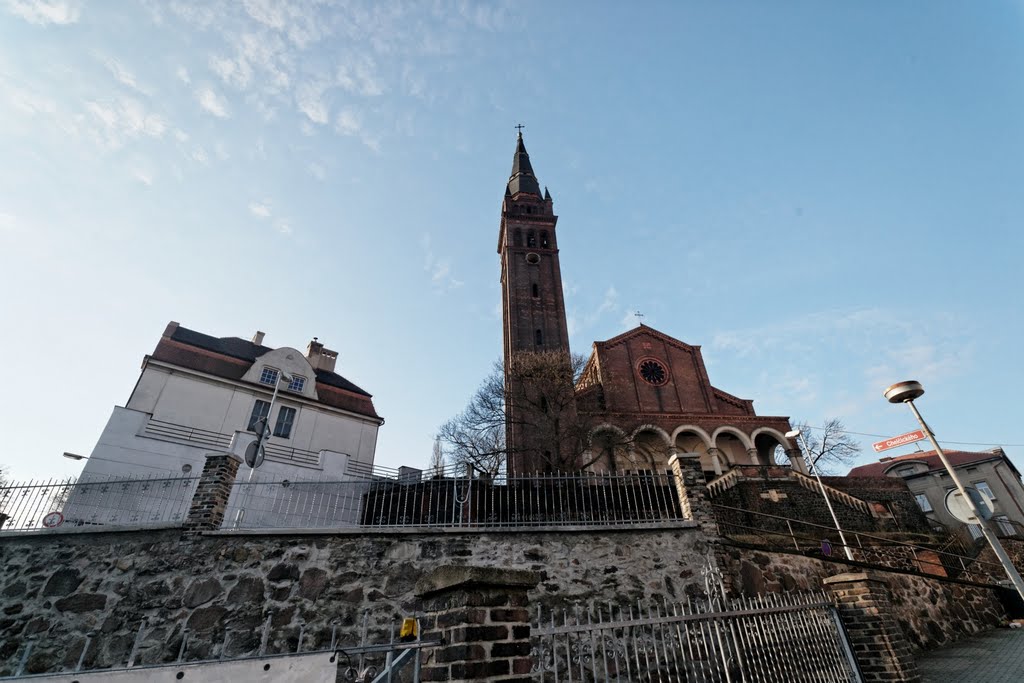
x: 693, y: 439
x: 651, y: 449
x: 766, y: 441
x: 609, y: 448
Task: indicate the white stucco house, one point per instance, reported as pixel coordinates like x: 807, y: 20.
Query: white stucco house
x: 199, y: 394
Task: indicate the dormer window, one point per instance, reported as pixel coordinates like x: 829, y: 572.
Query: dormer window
x: 269, y: 376
x: 297, y: 384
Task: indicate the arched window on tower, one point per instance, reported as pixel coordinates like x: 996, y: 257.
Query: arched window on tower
x: 531, y: 239
x: 517, y: 237
x: 544, y: 244
x: 538, y: 337
x: 536, y: 291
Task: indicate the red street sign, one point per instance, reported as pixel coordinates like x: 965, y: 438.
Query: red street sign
x: 901, y: 440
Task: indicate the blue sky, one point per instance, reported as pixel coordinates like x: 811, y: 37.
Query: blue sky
x: 825, y: 196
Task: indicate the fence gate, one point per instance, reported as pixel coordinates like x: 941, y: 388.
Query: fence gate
x: 776, y: 637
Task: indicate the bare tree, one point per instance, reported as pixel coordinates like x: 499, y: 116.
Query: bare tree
x: 436, y: 466
x: 831, y: 448
x: 555, y: 435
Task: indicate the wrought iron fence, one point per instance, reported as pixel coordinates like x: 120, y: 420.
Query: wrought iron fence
x: 576, y: 499
x: 776, y: 637
x: 360, y: 653
x: 947, y: 557
x: 95, y: 502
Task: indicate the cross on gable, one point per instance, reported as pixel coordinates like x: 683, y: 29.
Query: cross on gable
x: 773, y: 495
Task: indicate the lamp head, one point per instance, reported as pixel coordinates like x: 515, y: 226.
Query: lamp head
x: 74, y: 456
x: 286, y: 377
x: 901, y: 392
x: 792, y: 434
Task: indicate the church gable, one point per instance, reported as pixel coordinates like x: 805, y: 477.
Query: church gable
x: 645, y: 371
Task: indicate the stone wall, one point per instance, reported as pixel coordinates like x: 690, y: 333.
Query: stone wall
x: 222, y: 587
x: 930, y: 611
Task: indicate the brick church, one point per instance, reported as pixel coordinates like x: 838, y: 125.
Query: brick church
x: 639, y: 397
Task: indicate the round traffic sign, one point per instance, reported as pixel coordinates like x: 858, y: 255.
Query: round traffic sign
x: 959, y: 508
x: 253, y: 455
x: 53, y: 520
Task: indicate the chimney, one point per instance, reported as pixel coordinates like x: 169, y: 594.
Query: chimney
x: 319, y: 357
x: 257, y: 338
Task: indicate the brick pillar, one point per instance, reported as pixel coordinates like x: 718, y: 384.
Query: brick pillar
x: 878, y: 643
x: 482, y: 613
x: 693, y: 491
x: 210, y: 500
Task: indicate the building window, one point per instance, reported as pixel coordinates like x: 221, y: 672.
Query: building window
x: 259, y: 411
x: 544, y: 244
x: 923, y: 503
x: 536, y: 291
x: 975, y: 531
x: 538, y: 337
x: 983, y: 487
x: 1006, y: 527
x: 285, y: 418
x: 268, y: 376
x: 297, y: 384
x: 531, y: 239
x: 906, y: 471
x: 517, y: 237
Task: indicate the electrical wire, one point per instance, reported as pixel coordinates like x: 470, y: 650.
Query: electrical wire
x: 958, y: 443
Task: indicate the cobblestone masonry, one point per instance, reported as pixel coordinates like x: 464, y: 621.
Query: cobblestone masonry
x: 931, y: 612
x: 57, y: 588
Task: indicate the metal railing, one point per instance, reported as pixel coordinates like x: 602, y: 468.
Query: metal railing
x: 775, y: 637
x: 95, y: 501
x: 577, y: 499
x: 783, y: 533
x: 360, y: 654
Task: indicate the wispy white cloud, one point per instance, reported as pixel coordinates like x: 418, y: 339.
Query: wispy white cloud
x: 309, y: 97
x: 212, y: 102
x: 199, y: 155
x: 284, y: 227
x: 348, y: 122
x: 440, y: 270
x: 182, y: 75
x: 317, y: 170
x: 122, y: 75
x: 45, y: 11
x: 359, y: 76
x: 260, y: 209
x: 861, y: 349
x: 122, y: 119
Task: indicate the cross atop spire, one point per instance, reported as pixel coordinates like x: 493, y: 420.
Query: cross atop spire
x: 520, y: 127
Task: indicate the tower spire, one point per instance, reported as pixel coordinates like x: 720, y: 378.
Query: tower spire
x: 522, y: 178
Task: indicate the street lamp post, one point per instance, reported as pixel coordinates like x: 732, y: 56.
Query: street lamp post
x: 906, y: 392
x: 263, y: 436
x: 824, y: 494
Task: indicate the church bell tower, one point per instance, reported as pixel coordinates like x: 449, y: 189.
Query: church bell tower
x: 531, y: 293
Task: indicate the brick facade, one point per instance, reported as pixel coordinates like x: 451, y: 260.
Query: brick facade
x: 481, y: 614
x: 210, y: 500
x: 882, y: 651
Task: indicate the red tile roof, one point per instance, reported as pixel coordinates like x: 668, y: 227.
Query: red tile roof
x: 956, y: 458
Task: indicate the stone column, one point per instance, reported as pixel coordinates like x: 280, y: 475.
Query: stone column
x: 754, y: 460
x: 693, y: 491
x: 877, y: 641
x: 210, y: 500
x: 483, y: 615
x: 796, y: 460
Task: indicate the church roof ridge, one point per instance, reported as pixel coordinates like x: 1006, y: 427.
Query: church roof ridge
x: 620, y: 338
